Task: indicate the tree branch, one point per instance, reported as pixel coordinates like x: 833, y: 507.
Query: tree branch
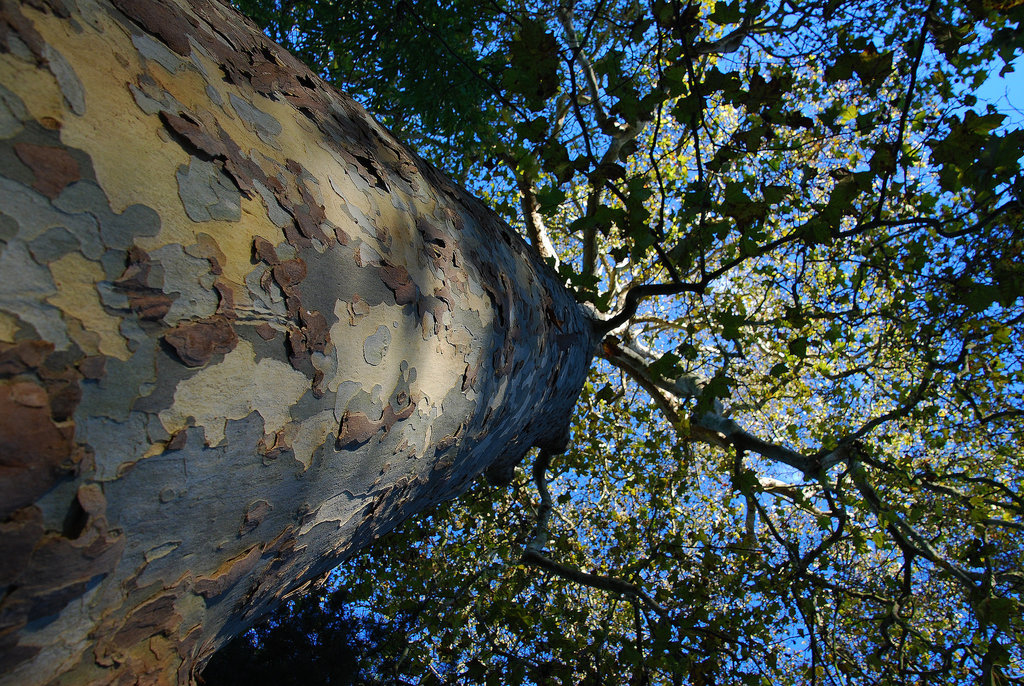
x: 565, y: 19
x: 535, y: 228
x: 711, y: 427
x: 534, y: 555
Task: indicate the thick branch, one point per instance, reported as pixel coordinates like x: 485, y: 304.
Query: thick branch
x: 711, y: 427
x: 535, y: 228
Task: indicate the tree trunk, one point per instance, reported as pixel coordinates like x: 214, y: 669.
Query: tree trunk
x: 243, y: 333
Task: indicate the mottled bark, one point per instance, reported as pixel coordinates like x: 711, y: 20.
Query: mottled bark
x: 243, y: 332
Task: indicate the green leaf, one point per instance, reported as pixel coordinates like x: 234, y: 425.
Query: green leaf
x: 798, y: 347
x: 999, y: 612
x: 550, y: 199
x: 726, y: 13
x: 666, y: 366
x: 533, y: 63
x: 606, y: 393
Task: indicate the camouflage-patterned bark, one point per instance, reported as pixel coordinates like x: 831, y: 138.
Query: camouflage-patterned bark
x: 243, y: 332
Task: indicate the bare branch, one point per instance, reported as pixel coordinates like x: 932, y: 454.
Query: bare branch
x: 534, y: 549
x: 535, y: 228
x: 565, y: 19
x: 905, y: 535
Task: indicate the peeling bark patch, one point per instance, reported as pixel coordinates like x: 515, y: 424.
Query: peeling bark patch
x: 263, y: 249
x: 158, y: 616
x: 207, y: 194
x: 264, y: 125
x: 54, y: 168
x: 254, y: 514
x: 157, y: 52
x: 266, y: 331
x: 357, y: 309
x: 146, y: 301
x: 22, y: 356
x: 60, y: 570
x: 228, y: 574
x: 195, y: 135
x: 357, y: 428
x: 34, y: 450
x: 375, y: 347
x: 289, y: 274
x: 168, y: 26
x: 197, y: 342
x: 67, y: 80
x: 396, y: 277
x: 315, y: 331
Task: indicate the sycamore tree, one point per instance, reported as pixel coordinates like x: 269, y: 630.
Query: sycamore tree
x: 798, y: 458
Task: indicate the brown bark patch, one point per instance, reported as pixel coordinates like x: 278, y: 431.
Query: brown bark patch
x: 151, y: 306
x: 93, y: 367
x: 254, y: 514
x: 170, y: 27
x: 20, y: 357
x: 59, y: 570
x: 147, y: 302
x: 315, y: 330
x: 197, y: 342
x: 310, y: 216
x: 356, y: 428
x: 18, y: 536
x: 194, y: 134
x: 226, y: 300
x: 264, y: 250
x: 152, y: 618
x: 54, y: 168
x: 266, y: 331
x: 34, y: 450
x: 397, y: 278
x: 289, y: 273
x: 271, y: 446
x: 178, y: 440
x: 228, y: 574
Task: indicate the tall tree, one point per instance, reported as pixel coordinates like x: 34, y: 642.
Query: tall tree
x: 243, y: 332
x: 799, y: 456
x: 791, y: 232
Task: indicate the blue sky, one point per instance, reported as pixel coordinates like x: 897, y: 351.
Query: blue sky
x: 1006, y: 93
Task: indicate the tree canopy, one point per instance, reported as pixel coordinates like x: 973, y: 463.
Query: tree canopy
x: 799, y: 457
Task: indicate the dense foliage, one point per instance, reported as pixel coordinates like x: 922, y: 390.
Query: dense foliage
x: 799, y: 458
x: 313, y: 639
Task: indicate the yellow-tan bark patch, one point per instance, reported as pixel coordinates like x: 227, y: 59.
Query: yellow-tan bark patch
x: 234, y: 388
x: 76, y: 279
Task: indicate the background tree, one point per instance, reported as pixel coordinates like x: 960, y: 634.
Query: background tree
x: 798, y: 459
x: 313, y: 639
